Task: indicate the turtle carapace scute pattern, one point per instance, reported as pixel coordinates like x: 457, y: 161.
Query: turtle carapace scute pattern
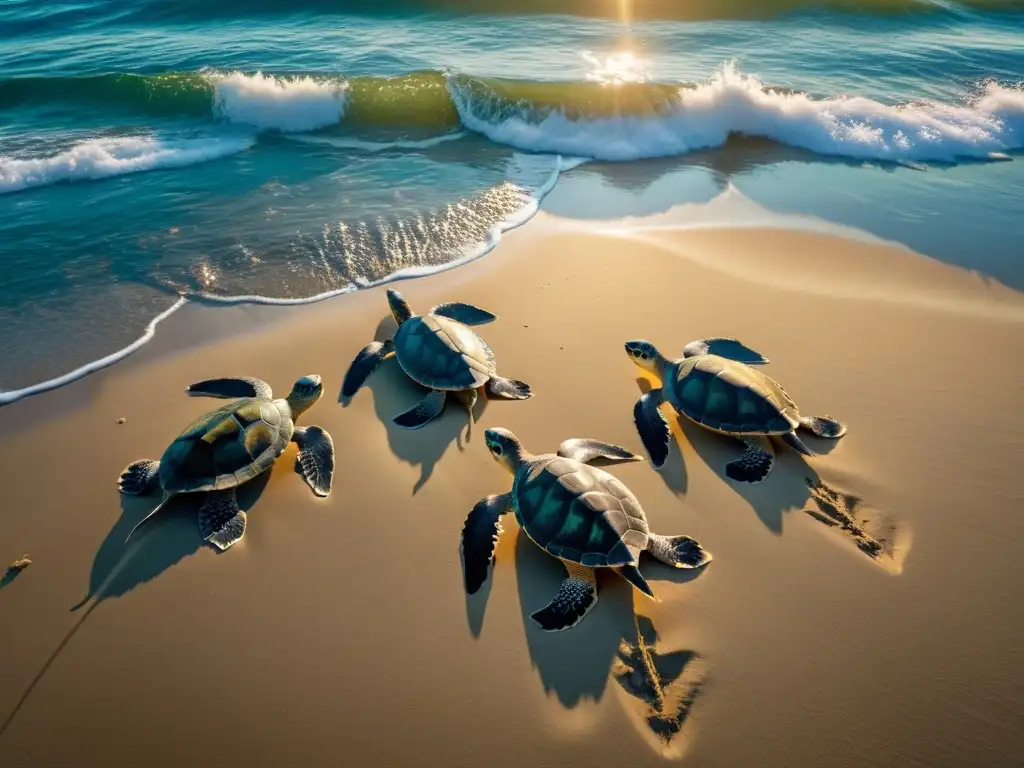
x: 724, y: 394
x: 231, y: 445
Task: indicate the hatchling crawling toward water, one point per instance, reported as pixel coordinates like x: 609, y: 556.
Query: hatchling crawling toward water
x: 440, y: 352
x: 232, y: 445
x: 575, y: 512
x: 714, y: 386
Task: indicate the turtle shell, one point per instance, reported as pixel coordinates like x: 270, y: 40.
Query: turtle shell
x: 579, y: 513
x: 731, y: 397
x: 226, y: 447
x: 441, y: 353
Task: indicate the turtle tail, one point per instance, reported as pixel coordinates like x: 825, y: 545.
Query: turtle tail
x: 156, y: 509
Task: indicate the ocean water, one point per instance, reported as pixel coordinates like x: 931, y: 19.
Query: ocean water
x: 227, y: 151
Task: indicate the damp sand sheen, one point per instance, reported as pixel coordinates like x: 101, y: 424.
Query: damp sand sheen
x: 861, y: 609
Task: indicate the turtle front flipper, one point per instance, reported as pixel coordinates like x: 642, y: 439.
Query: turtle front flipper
x: 755, y: 463
x: 424, y: 412
x: 678, y: 551
x: 315, y: 460
x: 652, y: 426
x: 232, y: 388
x: 508, y: 389
x: 586, y: 451
x: 575, y: 598
x: 823, y: 426
x: 140, y: 478
x: 466, y: 314
x: 479, y: 535
x: 733, y: 349
x: 221, y: 522
x: 364, y: 364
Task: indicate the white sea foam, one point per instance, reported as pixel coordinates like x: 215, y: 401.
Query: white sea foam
x: 734, y: 103
x: 101, y: 158
x: 531, y: 203
x: 269, y: 102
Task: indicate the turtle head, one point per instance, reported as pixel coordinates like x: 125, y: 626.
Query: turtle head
x: 645, y: 355
x: 400, y: 309
x: 505, y: 447
x: 305, y: 392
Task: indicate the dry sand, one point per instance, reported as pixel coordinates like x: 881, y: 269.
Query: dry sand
x: 337, y: 633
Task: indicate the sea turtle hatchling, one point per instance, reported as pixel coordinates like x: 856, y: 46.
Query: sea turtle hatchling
x: 714, y: 385
x: 438, y: 351
x: 575, y: 512
x: 232, y: 445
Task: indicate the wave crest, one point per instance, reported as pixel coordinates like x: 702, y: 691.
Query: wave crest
x: 288, y: 104
x: 704, y: 116
x: 101, y: 158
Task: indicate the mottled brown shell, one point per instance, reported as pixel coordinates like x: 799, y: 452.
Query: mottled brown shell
x: 731, y: 397
x: 579, y: 513
x: 226, y: 447
x: 441, y: 353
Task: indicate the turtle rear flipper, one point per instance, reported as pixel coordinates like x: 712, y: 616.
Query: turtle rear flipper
x: 140, y: 478
x: 652, y: 426
x: 508, y: 389
x: 466, y: 314
x: 575, y: 598
x: 230, y: 388
x: 424, y: 412
x: 755, y: 463
x: 823, y: 426
x: 315, y: 460
x: 364, y: 364
x: 733, y: 349
x: 678, y: 551
x: 221, y: 522
x: 585, y: 451
x: 479, y: 535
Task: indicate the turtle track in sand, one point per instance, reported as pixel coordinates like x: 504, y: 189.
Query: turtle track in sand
x: 873, y: 531
x: 665, y: 685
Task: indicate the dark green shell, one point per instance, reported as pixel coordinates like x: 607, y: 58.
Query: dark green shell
x: 441, y: 353
x: 226, y: 447
x: 578, y: 513
x: 731, y: 397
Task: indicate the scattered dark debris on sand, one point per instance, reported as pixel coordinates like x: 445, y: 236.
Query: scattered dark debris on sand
x: 669, y: 683
x: 14, y: 569
x: 847, y: 513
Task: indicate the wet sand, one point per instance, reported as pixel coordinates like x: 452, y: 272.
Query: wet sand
x: 338, y: 632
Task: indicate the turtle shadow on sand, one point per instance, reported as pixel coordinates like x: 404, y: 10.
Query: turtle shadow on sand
x: 793, y: 485
x: 576, y: 664
x: 662, y: 686
x: 393, y: 392
x: 785, y: 487
x: 119, y: 567
x: 171, y: 536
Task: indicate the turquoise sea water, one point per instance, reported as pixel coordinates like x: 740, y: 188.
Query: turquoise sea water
x: 150, y: 150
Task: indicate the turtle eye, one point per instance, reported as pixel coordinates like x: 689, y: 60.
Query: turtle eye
x: 496, y: 449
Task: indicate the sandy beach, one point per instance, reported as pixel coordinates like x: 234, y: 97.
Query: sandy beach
x: 337, y: 632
